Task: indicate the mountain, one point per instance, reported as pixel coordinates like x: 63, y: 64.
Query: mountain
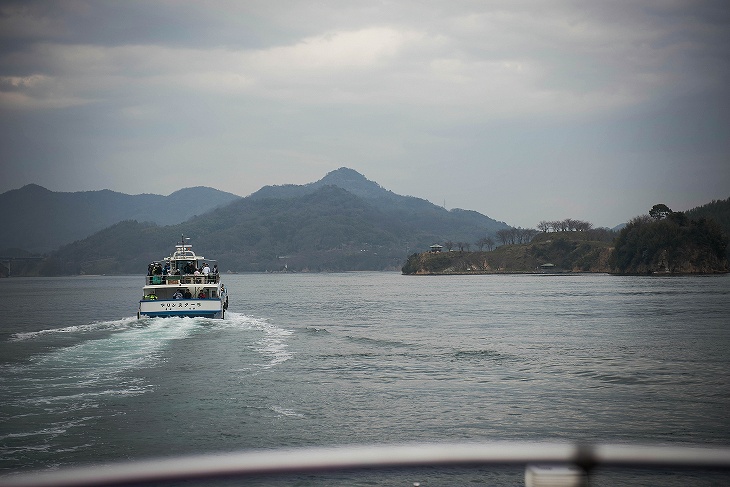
x: 345, y: 178
x: 39, y: 220
x: 458, y: 224
x: 342, y: 222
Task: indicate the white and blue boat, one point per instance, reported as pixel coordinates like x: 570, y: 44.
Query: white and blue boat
x: 183, y: 284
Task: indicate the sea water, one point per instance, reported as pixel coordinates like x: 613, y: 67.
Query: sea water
x: 365, y: 358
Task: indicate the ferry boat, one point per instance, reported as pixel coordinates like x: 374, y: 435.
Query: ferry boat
x: 183, y: 284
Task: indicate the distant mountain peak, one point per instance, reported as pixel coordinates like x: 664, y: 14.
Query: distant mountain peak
x: 35, y: 188
x: 200, y: 190
x: 344, y: 178
x: 352, y: 181
x: 344, y: 173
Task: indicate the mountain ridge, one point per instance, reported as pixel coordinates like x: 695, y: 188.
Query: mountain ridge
x: 42, y: 220
x: 344, y: 177
x: 415, y: 210
x: 341, y: 222
x: 321, y: 226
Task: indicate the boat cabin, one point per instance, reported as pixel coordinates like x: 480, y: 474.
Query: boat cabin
x: 182, y: 273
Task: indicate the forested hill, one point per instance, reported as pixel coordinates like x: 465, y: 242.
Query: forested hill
x: 317, y: 227
x: 718, y: 211
x: 667, y: 242
x: 418, y: 213
x: 39, y: 220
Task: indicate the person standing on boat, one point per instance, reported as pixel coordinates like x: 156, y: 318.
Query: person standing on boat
x: 206, y: 272
x: 178, y: 295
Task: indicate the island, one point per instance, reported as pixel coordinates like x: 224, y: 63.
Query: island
x: 664, y: 242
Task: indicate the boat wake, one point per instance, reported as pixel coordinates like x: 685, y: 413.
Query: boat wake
x: 97, y: 326
x: 95, y: 366
x: 55, y: 395
x: 62, y: 392
x: 75, y: 377
x: 271, y: 342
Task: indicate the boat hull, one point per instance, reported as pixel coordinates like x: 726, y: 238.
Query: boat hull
x: 194, y: 308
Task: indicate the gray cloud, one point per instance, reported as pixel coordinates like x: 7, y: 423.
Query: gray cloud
x: 521, y: 110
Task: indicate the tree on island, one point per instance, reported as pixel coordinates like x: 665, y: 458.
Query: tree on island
x: 485, y: 242
x: 659, y: 212
x: 567, y: 225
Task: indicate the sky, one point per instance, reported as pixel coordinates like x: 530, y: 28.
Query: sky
x: 523, y: 110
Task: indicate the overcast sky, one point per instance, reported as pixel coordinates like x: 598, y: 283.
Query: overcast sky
x: 522, y: 110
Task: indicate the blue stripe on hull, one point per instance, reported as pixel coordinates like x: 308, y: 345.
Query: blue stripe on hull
x: 198, y: 314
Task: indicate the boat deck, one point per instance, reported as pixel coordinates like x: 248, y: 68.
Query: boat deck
x: 175, y: 279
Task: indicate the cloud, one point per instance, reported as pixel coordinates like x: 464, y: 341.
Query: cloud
x: 511, y: 61
x: 507, y: 91
x: 35, y: 92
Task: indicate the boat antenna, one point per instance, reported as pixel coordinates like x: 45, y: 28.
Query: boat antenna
x: 183, y: 238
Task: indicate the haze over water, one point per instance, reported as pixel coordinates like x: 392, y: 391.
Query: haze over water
x: 330, y: 359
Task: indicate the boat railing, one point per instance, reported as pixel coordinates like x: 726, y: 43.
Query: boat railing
x: 159, y: 279
x: 574, y: 462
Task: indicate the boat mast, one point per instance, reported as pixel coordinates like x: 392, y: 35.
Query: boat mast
x: 182, y: 243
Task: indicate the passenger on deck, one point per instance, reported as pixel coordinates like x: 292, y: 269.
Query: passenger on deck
x: 178, y: 294
x: 201, y: 295
x: 206, y: 269
x: 188, y: 294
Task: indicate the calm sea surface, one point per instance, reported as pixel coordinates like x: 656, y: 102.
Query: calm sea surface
x: 331, y: 359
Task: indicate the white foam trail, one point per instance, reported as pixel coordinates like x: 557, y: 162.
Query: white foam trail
x: 79, y: 376
x: 272, y: 345
x: 66, y: 388
x: 281, y: 411
x: 127, y: 348
x: 52, y: 430
x: 116, y: 325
